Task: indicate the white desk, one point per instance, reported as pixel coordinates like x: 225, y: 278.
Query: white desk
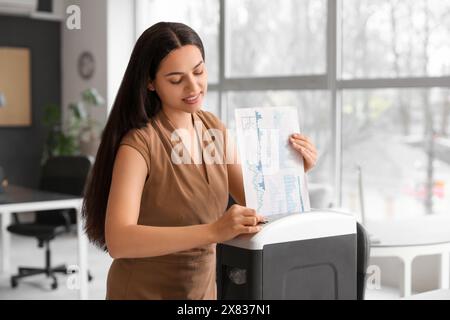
x: 18, y: 199
x: 410, y: 238
x: 431, y: 295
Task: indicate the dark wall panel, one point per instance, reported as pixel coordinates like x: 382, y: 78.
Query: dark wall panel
x: 45, y: 5
x: 21, y: 147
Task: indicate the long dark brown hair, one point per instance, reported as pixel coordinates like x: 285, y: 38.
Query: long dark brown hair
x: 133, y: 107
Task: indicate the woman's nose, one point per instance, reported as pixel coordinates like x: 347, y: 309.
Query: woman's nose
x: 192, y: 85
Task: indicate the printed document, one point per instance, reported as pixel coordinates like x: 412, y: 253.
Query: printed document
x: 274, y: 177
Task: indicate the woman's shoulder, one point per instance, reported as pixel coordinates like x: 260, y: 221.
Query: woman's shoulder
x: 142, y: 134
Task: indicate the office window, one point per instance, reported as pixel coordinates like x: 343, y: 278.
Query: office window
x: 275, y: 54
x: 391, y: 39
x: 314, y: 117
x: 211, y: 103
x: 201, y: 15
x: 275, y: 38
x: 387, y: 133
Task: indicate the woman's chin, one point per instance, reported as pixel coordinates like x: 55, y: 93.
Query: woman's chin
x: 191, y: 108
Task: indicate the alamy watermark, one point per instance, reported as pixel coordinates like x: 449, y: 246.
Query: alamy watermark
x: 73, y: 282
x: 373, y: 277
x: 73, y: 21
x: 216, y: 146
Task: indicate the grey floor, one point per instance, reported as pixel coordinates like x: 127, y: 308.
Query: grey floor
x: 26, y: 253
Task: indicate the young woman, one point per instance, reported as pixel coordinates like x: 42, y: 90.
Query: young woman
x: 161, y: 220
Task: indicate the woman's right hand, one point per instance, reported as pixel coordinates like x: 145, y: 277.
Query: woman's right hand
x: 235, y: 221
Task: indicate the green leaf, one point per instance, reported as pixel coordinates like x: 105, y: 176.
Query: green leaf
x: 52, y: 115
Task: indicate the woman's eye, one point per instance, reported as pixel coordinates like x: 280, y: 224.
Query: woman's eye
x: 175, y: 82
x: 198, y: 72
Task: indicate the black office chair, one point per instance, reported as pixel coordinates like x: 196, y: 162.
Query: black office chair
x: 67, y: 175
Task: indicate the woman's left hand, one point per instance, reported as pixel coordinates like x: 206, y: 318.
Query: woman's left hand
x: 306, y: 148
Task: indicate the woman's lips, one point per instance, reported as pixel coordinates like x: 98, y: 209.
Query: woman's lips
x: 193, y: 99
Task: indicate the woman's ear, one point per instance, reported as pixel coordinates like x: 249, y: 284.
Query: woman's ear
x: 150, y: 87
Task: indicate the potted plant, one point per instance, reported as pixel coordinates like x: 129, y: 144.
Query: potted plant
x: 82, y: 134
x: 83, y: 125
x: 58, y: 143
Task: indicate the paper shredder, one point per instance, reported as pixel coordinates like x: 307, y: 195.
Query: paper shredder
x: 311, y: 255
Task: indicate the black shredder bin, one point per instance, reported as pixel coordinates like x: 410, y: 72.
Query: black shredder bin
x: 311, y: 255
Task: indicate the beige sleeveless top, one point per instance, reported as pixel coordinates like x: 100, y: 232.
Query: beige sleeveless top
x: 173, y: 195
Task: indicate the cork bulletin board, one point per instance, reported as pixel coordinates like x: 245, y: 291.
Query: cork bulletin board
x: 15, y: 95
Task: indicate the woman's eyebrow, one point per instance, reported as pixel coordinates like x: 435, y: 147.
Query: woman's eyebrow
x: 176, y: 73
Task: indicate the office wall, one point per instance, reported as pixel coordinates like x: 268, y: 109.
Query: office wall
x: 21, y: 147
x: 121, y: 39
x: 107, y: 30
x: 91, y: 37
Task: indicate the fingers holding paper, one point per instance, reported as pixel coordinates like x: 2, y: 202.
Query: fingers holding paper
x: 306, y: 148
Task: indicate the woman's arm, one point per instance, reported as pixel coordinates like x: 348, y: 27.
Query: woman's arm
x: 124, y: 237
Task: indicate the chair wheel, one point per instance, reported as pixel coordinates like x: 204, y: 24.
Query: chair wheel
x: 90, y: 277
x: 14, y: 283
x: 54, y: 285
